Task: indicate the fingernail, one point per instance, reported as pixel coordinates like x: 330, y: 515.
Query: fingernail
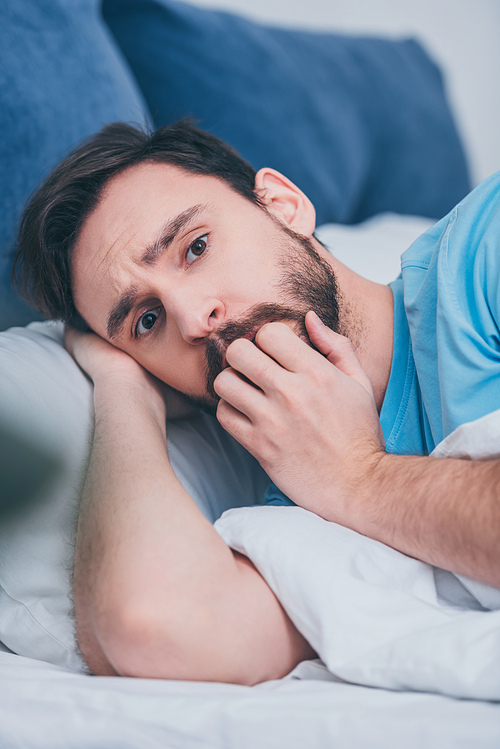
x: 318, y: 318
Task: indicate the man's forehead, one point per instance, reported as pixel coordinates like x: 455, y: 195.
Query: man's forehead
x: 149, y: 174
x: 136, y: 202
x: 145, y: 188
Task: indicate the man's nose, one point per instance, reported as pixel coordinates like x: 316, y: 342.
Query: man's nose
x: 198, y: 318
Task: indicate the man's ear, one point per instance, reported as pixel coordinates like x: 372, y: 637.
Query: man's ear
x: 286, y: 201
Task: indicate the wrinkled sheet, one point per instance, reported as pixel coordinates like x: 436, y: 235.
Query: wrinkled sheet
x: 45, y: 707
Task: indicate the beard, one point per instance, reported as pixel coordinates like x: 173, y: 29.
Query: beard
x: 307, y: 283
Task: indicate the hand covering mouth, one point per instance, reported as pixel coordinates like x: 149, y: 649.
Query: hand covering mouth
x: 245, y: 327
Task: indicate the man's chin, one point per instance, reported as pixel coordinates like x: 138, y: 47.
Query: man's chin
x: 206, y: 404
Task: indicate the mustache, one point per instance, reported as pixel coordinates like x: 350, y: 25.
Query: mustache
x: 246, y: 327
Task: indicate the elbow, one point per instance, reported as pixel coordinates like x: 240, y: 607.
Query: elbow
x: 138, y: 643
x: 235, y: 633
x: 120, y: 638
x: 141, y: 642
x: 144, y: 643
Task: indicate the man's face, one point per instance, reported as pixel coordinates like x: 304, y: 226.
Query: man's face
x: 172, y: 267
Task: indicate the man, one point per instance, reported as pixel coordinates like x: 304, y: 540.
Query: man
x: 191, y: 267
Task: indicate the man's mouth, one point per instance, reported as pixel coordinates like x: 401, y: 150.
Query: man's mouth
x: 250, y: 336
x: 248, y: 327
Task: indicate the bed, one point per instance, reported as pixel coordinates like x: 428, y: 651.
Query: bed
x: 389, y: 140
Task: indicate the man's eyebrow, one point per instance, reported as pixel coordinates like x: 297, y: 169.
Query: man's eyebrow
x: 121, y: 311
x: 169, y: 232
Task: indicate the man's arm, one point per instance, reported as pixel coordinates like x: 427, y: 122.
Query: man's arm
x: 315, y: 429
x: 157, y: 592
x: 444, y: 511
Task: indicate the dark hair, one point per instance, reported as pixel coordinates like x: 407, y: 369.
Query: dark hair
x: 55, y: 213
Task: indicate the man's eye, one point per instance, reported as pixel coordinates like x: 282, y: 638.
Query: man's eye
x: 196, y: 249
x: 146, y: 322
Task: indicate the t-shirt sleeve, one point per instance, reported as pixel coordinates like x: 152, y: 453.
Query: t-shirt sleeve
x: 275, y: 496
x: 452, y: 300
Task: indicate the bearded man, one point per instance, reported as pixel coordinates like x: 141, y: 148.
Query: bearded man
x: 175, y: 264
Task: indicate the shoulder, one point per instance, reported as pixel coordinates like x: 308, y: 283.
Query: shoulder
x: 460, y: 255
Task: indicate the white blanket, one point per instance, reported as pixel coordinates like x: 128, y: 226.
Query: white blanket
x: 375, y: 616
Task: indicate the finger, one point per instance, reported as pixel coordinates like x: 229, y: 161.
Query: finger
x: 336, y: 348
x: 239, y: 392
x: 261, y: 370
x: 235, y: 423
x: 281, y: 343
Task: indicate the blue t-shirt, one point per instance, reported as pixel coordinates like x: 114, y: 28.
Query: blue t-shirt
x: 446, y: 359
x: 446, y: 353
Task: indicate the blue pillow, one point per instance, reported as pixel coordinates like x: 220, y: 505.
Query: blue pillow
x: 362, y: 125
x: 62, y: 78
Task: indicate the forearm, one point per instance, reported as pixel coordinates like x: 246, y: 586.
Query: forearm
x: 444, y: 511
x: 128, y: 536
x: 157, y: 591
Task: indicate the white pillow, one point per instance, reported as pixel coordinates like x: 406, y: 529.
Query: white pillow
x: 374, y: 248
x: 373, y: 615
x: 476, y: 440
x: 45, y: 397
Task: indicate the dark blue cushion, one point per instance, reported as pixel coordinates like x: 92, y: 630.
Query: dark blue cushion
x: 362, y: 125
x: 62, y: 78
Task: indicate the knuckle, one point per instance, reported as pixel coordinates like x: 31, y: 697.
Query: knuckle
x: 321, y: 376
x: 345, y: 342
x: 265, y: 372
x: 225, y: 417
x: 222, y: 381
x: 270, y: 332
x: 265, y: 450
x: 236, y: 348
x: 222, y: 411
x: 293, y: 397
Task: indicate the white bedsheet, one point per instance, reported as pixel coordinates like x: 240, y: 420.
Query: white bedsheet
x: 44, y: 707
x: 375, y: 616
